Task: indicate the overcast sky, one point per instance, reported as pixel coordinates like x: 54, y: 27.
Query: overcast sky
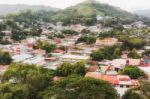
x: 129, y: 5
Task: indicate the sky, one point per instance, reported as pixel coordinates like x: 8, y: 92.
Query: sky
x: 129, y: 5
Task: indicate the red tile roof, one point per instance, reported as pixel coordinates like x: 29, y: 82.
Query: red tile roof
x: 58, y: 51
x: 109, y: 78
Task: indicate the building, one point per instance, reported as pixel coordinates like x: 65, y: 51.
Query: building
x: 21, y: 57
x: 73, y: 58
x: 106, y: 42
x: 37, y: 60
x: 120, y: 82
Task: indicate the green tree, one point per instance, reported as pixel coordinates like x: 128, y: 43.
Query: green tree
x: 69, y: 32
x: 108, y: 52
x: 142, y: 92
x: 131, y: 94
x: 133, y: 71
x: 117, y: 53
x: 5, y: 58
x: 45, y: 46
x: 18, y: 35
x: 87, y: 39
x: 76, y: 87
x: 133, y: 54
x: 68, y: 68
x: 134, y: 43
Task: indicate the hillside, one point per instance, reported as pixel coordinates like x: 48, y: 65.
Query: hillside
x: 6, y: 9
x: 87, y: 11
x: 145, y: 13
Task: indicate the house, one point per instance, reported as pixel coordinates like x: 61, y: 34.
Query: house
x: 93, y: 68
x: 73, y: 58
x: 21, y: 57
x: 120, y: 82
x: 58, y: 51
x: 146, y: 70
x: 7, y: 32
x: 106, y: 42
x: 139, y: 24
x: 3, y: 68
x: 77, y: 27
x: 37, y: 60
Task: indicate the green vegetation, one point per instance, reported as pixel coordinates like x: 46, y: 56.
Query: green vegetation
x: 76, y: 87
x: 5, y: 58
x: 69, y: 32
x: 67, y: 69
x: 88, y: 39
x: 22, y: 81
x: 108, y: 52
x: 133, y: 54
x: 18, y: 35
x: 135, y: 43
x: 147, y: 53
x: 143, y: 92
x: 133, y: 71
x: 45, y: 46
x: 87, y: 11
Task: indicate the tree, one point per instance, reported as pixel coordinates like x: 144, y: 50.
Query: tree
x: 133, y: 71
x: 76, y: 87
x: 10, y: 91
x: 35, y: 31
x: 68, y: 68
x: 142, y: 92
x: 134, y: 43
x: 18, y: 35
x: 45, y: 46
x: 108, y: 52
x: 133, y: 54
x: 130, y: 94
x: 23, y: 81
x: 147, y: 53
x: 117, y: 53
x: 87, y: 39
x: 69, y: 32
x: 5, y: 58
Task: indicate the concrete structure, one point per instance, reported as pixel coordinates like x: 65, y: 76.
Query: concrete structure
x: 120, y: 82
x: 106, y: 42
x: 73, y: 58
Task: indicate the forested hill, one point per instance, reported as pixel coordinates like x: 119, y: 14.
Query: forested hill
x: 86, y: 12
x: 6, y: 9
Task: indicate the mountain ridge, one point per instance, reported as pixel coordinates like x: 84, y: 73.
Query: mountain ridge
x: 14, y: 8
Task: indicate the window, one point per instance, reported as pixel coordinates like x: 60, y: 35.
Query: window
x: 127, y: 86
x: 121, y: 86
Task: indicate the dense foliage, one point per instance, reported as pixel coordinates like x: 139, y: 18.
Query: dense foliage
x: 88, y: 39
x: 133, y: 54
x: 87, y: 11
x: 76, y: 87
x: 108, y: 52
x: 5, y: 58
x: 133, y: 71
x: 48, y: 47
x: 22, y: 81
x: 69, y: 32
x: 67, y: 69
x: 143, y: 92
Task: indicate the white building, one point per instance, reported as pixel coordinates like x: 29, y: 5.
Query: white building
x: 73, y: 58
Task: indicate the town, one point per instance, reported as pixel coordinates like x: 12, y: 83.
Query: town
x: 118, y: 54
